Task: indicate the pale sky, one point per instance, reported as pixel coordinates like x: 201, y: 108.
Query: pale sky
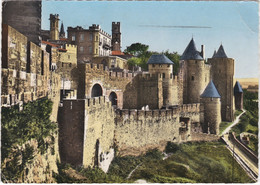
x: 171, y: 25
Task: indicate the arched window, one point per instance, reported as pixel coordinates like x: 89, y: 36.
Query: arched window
x: 96, y: 91
x: 113, y: 98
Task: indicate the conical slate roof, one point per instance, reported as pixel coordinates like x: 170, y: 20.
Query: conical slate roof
x: 191, y: 52
x: 159, y: 59
x: 221, y: 53
x: 214, y: 54
x: 238, y: 88
x: 210, y: 91
x: 62, y: 32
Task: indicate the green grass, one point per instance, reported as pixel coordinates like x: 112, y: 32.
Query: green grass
x: 204, y: 162
x: 223, y: 125
x: 193, y: 162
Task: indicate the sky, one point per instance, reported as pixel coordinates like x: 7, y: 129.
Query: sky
x: 171, y: 25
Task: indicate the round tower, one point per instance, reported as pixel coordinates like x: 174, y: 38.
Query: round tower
x: 210, y: 99
x: 160, y: 64
x: 54, y: 26
x: 195, y: 78
x: 222, y: 72
x: 238, y: 93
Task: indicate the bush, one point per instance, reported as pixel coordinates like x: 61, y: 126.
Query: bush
x: 154, y: 154
x: 171, y: 147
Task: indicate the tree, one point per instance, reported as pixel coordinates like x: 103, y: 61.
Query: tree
x: 136, y: 49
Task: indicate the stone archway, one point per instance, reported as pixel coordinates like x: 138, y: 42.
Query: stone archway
x: 96, y: 91
x: 113, y: 98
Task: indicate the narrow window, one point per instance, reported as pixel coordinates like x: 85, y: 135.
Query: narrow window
x: 96, y: 38
x: 163, y: 75
x: 192, y: 78
x: 81, y: 37
x: 62, y: 64
x: 81, y: 49
x: 90, y: 37
x: 70, y: 64
x: 73, y: 37
x: 90, y: 49
x: 68, y: 56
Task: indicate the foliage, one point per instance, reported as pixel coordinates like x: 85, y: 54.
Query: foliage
x: 137, y: 49
x: 203, y: 162
x: 141, y: 53
x: 171, y: 147
x: 18, y: 127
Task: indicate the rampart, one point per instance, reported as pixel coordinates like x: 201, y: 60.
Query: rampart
x: 243, y: 148
x: 140, y: 130
x: 87, y: 132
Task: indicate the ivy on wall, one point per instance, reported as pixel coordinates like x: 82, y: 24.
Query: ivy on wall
x: 18, y: 127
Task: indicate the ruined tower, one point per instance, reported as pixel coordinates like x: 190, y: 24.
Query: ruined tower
x: 196, y: 75
x: 116, y: 36
x: 62, y: 32
x: 210, y: 99
x: 222, y: 71
x: 160, y: 64
x: 25, y: 17
x: 238, y: 93
x: 54, y: 26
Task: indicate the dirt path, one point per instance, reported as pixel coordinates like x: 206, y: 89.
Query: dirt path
x: 130, y: 174
x: 234, y: 123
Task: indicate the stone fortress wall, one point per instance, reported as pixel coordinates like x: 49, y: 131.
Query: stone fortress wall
x: 87, y: 132
x: 140, y: 130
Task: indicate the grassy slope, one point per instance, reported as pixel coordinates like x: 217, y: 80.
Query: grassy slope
x: 203, y: 162
x: 194, y: 162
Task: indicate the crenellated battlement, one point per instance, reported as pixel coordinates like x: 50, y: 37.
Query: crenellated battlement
x: 148, y: 76
x: 97, y: 101
x: 190, y: 107
x: 173, y: 112
x: 71, y: 46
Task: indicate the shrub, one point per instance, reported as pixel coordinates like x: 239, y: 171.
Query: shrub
x: 171, y: 147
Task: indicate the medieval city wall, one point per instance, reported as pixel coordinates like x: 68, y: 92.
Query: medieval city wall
x: 138, y: 131
x: 87, y: 132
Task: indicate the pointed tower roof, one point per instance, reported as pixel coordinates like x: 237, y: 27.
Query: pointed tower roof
x: 159, y: 59
x: 221, y: 53
x: 210, y: 91
x: 214, y: 54
x: 191, y: 52
x: 238, y: 88
x: 62, y: 32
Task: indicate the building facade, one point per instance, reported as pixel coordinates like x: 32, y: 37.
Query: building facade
x: 91, y: 42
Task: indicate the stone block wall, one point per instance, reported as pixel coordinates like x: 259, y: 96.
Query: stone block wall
x: 87, y: 132
x: 138, y: 131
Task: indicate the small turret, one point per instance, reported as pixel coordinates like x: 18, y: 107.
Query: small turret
x: 160, y: 64
x: 210, y: 98
x: 221, y: 53
x: 238, y: 93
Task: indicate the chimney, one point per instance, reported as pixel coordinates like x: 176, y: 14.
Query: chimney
x: 202, y: 53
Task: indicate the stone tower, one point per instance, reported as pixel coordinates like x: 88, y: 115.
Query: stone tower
x: 116, y: 36
x: 54, y: 26
x: 222, y: 71
x: 25, y: 17
x: 210, y: 99
x: 62, y: 32
x: 195, y: 79
x: 238, y: 92
x: 160, y: 64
